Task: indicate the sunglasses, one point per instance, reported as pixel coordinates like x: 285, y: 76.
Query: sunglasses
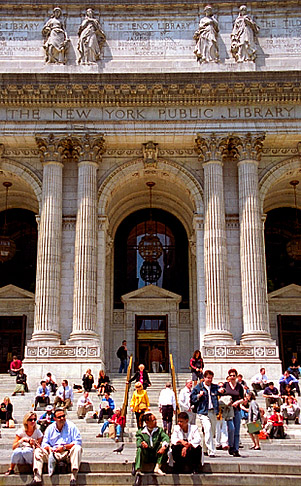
x: 60, y: 417
x: 32, y: 420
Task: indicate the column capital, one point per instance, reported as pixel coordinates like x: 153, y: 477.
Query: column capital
x: 211, y: 147
x: 246, y: 147
x: 89, y: 149
x: 53, y: 149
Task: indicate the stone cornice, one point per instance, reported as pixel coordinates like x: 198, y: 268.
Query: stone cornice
x: 195, y: 89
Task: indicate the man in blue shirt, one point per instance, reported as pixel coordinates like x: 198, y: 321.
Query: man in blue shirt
x: 62, y: 442
x: 106, y: 407
x: 288, y: 379
x: 42, y: 395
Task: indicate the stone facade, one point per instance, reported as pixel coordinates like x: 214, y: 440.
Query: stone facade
x: 221, y: 140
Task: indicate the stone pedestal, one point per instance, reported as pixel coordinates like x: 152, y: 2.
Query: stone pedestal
x: 47, y: 296
x: 252, y: 257
x: 85, y: 265
x: 215, y: 250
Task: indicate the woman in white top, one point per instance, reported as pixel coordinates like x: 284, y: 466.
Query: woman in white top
x: 27, y: 439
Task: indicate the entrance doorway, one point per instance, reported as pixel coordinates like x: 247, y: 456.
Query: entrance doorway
x: 151, y: 331
x: 12, y: 339
x: 289, y: 338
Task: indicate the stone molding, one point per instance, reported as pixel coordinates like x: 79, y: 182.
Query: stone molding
x: 69, y: 222
x: 143, y: 89
x: 240, y: 351
x: 62, y: 351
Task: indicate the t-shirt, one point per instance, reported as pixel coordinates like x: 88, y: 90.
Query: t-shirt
x: 270, y: 391
x: 236, y: 393
x: 37, y: 434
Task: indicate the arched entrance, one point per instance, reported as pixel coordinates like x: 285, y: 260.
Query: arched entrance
x: 17, y: 274
x: 283, y: 261
x: 150, y: 309
x: 124, y: 206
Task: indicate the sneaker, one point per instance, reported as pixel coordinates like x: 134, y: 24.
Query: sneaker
x: 212, y: 455
x: 99, y: 435
x: 158, y: 470
x: 51, y: 464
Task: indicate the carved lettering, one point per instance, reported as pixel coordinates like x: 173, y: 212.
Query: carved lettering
x: 86, y: 115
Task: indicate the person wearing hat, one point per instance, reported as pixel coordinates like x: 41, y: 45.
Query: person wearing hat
x: 139, y: 402
x: 46, y: 418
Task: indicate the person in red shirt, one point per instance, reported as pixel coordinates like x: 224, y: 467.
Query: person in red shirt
x: 276, y: 420
x: 118, y: 420
x: 15, y: 366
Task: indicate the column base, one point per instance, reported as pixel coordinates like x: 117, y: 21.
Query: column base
x: 257, y: 338
x: 48, y: 338
x: 85, y: 338
x: 219, y: 337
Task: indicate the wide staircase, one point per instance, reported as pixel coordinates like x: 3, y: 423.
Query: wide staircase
x: 277, y: 463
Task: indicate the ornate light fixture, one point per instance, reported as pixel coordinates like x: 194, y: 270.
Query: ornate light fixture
x: 7, y: 245
x: 150, y: 247
x: 293, y: 247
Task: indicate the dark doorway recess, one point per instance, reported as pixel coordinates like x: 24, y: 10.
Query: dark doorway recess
x: 173, y: 261
x: 280, y: 228
x: 289, y: 329
x: 12, y: 339
x: 21, y: 269
x: 151, y: 331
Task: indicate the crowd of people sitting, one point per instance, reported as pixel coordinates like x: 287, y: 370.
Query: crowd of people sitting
x: 220, y: 409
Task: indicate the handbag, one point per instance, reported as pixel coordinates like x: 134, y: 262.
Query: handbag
x: 254, y: 427
x: 11, y: 424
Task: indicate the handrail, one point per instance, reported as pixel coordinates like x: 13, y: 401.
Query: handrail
x: 127, y: 387
x: 174, y: 385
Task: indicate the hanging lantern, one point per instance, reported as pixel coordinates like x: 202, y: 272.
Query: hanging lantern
x: 150, y: 247
x: 7, y: 245
x: 150, y: 272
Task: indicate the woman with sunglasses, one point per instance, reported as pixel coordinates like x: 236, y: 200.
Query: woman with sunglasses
x: 27, y: 439
x: 233, y: 388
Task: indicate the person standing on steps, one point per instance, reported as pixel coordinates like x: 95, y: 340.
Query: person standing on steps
x: 167, y: 407
x: 204, y: 397
x: 122, y: 354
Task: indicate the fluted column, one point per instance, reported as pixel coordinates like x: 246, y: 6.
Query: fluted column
x: 85, y: 265
x: 252, y: 254
x: 47, y: 295
x: 211, y: 150
x: 103, y: 250
x: 197, y: 249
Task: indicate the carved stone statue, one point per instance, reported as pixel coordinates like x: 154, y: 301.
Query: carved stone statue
x: 91, y: 39
x: 244, y: 37
x: 55, y: 38
x: 206, y: 49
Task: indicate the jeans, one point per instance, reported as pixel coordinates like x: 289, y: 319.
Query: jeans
x: 106, y: 425
x: 123, y: 365
x: 233, y: 430
x: 244, y: 414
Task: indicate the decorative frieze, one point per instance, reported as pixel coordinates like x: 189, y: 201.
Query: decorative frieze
x: 62, y: 351
x: 201, y: 89
x: 240, y: 351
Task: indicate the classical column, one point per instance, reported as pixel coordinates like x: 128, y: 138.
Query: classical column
x: 47, y: 295
x: 89, y: 150
x: 252, y: 254
x: 103, y: 249
x: 211, y: 150
x: 197, y: 250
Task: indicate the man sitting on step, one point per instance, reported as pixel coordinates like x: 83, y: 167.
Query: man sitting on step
x: 42, y: 396
x: 62, y: 442
x: 186, y: 446
x: 84, y: 405
x: 64, y: 396
x: 152, y: 446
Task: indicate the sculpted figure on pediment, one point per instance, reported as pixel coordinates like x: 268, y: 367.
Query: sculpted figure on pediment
x: 91, y: 39
x: 55, y: 38
x: 244, y: 37
x: 206, y: 48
